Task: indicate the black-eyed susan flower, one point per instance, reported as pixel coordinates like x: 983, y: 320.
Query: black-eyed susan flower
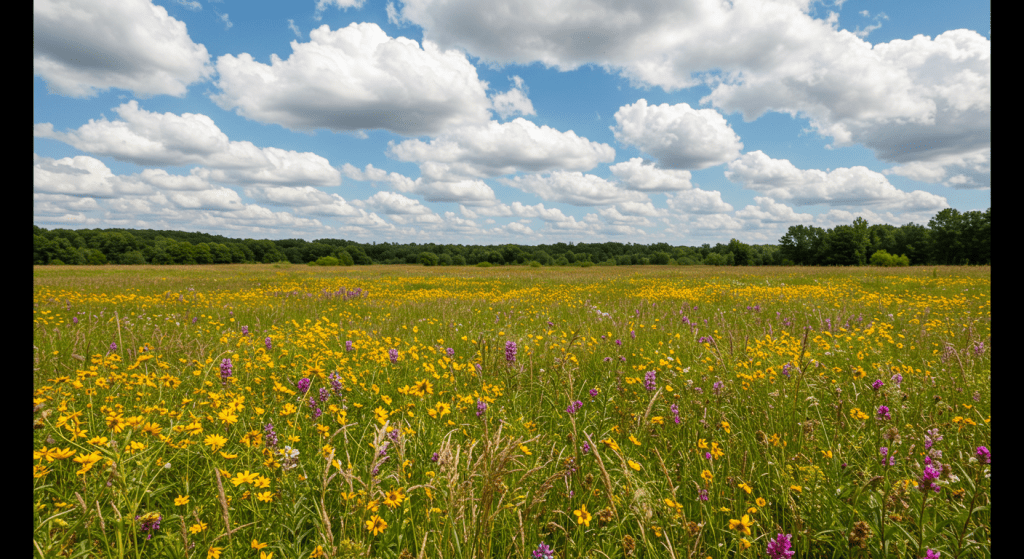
x: 582, y: 516
x: 706, y: 475
x: 394, y: 498
x: 376, y: 525
x: 742, y: 525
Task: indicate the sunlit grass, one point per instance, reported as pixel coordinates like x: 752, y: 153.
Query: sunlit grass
x: 763, y: 414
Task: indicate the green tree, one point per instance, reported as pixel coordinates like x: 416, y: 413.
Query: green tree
x: 202, y: 254
x: 660, y: 258
x: 428, y: 259
x: 344, y: 258
x: 801, y: 244
x: 741, y: 251
x: 947, y: 233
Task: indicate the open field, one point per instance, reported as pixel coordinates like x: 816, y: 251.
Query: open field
x: 403, y: 411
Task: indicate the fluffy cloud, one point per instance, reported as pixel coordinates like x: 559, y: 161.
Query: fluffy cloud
x: 921, y: 100
x: 513, y: 101
x: 223, y: 199
x: 574, y: 188
x: 974, y: 169
x: 648, y: 178
x: 149, y: 138
x: 848, y: 186
x: 517, y: 209
x: 908, y: 100
x: 306, y: 200
x: 464, y: 191
x: 770, y: 211
x: 395, y: 204
x: 697, y: 201
x: 356, y: 78
x: 82, y: 48
x: 81, y: 176
x: 504, y: 148
x: 679, y: 136
x: 60, y: 204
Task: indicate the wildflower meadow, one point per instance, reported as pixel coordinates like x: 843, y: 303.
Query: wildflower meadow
x: 285, y: 411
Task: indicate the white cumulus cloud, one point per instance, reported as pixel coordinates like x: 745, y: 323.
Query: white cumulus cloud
x: 82, y: 48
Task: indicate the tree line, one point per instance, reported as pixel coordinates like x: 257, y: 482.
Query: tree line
x: 951, y: 237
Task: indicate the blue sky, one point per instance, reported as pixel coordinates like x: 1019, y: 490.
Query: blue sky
x: 523, y: 121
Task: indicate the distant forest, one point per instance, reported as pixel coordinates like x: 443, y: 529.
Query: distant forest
x: 951, y: 238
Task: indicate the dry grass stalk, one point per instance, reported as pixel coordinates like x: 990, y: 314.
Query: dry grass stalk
x: 604, y: 473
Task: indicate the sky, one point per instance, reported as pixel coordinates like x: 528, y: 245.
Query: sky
x: 508, y: 121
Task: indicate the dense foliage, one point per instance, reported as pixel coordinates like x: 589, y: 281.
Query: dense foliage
x: 951, y: 237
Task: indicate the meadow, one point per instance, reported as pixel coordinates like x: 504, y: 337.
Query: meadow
x: 285, y: 411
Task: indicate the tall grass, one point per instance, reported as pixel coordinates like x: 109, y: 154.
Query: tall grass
x: 764, y: 414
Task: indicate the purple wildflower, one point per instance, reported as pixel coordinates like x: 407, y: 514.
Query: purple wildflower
x: 703, y: 496
x: 786, y: 368
x: 574, y: 407
x: 931, y: 554
x: 928, y: 480
x: 225, y: 370
x: 651, y: 380
x: 271, y: 437
x: 393, y: 355
x: 113, y: 346
x: 150, y: 523
x: 74, y: 319
x: 450, y: 352
x: 707, y: 456
x: 897, y: 378
x: 434, y: 457
x: 303, y: 385
x: 984, y: 455
x: 632, y: 335
x: 979, y: 348
x: 335, y: 381
x: 717, y: 387
x: 779, y: 547
x: 266, y: 342
x: 877, y: 385
x: 883, y: 412
x: 316, y: 410
x: 481, y: 407
x: 585, y: 448
x: 348, y: 345
x: 510, y: 351
x: 618, y: 342
x: 324, y: 395
x: 543, y: 552
x: 675, y: 412
x: 245, y: 330
x: 195, y: 319
x: 593, y: 393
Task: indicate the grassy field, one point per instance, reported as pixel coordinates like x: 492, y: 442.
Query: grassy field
x: 401, y: 411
